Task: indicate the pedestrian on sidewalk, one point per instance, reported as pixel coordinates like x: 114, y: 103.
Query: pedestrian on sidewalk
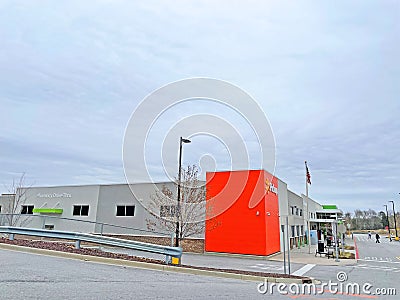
x: 377, y: 238
x: 369, y: 235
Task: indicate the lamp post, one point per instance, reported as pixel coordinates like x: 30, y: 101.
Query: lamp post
x: 388, y: 224
x: 178, y: 207
x: 394, y: 216
x: 336, y: 241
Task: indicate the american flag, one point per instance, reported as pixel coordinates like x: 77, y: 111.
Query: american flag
x: 308, y: 176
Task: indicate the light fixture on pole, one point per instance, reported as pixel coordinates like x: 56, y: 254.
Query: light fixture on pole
x: 394, y: 217
x: 387, y: 218
x: 178, y: 207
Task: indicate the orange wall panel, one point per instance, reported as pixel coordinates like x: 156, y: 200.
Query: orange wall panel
x: 242, y: 216
x: 272, y: 218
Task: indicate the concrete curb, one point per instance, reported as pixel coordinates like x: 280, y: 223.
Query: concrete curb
x: 237, y: 255
x: 149, y: 266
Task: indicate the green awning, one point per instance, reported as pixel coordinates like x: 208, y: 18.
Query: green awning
x: 48, y: 210
x: 329, y: 206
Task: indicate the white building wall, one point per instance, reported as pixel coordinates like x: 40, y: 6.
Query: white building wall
x: 64, y: 197
x: 283, y: 208
x: 296, y: 214
x: 102, y: 201
x: 313, y: 207
x: 111, y: 196
x: 4, y: 202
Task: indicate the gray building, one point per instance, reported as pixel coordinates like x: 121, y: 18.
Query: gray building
x: 86, y: 208
x: 127, y: 209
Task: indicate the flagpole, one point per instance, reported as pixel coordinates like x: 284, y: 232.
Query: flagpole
x: 308, y: 212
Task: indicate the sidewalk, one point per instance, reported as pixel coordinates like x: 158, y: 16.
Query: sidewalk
x: 273, y: 263
x: 302, y: 256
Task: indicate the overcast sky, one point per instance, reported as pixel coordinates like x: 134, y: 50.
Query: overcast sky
x: 326, y: 74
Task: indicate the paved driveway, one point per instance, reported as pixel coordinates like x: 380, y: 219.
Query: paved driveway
x: 29, y: 276
x: 378, y: 265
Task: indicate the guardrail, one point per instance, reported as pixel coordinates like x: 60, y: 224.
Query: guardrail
x: 5, y: 219
x: 168, y: 251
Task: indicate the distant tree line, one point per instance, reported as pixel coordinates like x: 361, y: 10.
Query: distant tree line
x: 370, y: 219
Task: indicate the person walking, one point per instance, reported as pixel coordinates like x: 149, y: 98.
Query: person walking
x: 377, y: 238
x: 369, y: 235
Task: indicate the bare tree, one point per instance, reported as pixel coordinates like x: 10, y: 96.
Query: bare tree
x: 15, y: 199
x: 347, y: 218
x: 191, y: 217
x: 367, y: 219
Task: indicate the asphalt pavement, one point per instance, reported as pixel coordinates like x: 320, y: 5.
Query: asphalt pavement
x: 32, y: 276
x: 302, y: 260
x: 378, y: 265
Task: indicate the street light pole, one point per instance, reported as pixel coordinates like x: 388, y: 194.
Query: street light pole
x: 388, y: 224
x: 394, y: 216
x: 178, y: 207
x: 336, y: 240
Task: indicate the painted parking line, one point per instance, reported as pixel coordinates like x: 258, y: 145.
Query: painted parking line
x: 372, y: 258
x: 365, y: 239
x: 378, y: 268
x: 303, y: 270
x: 379, y: 260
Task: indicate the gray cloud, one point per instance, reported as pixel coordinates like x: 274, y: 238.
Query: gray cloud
x: 326, y: 74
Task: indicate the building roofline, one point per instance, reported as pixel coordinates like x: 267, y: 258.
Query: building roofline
x: 88, y: 185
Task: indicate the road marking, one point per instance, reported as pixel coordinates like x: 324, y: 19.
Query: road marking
x: 388, y: 260
x: 267, y: 267
x: 364, y: 239
x: 378, y: 268
x: 303, y: 270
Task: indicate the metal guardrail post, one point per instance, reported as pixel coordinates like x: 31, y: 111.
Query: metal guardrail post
x: 101, y: 229
x: 168, y: 258
x: 78, y: 244
x: 44, y: 222
x: 11, y: 237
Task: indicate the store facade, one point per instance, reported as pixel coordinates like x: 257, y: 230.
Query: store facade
x: 247, y: 212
